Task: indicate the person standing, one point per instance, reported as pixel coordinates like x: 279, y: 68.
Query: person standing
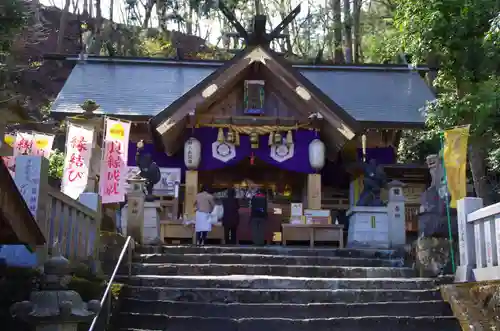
x: 258, y: 217
x: 204, y: 205
x: 231, y: 217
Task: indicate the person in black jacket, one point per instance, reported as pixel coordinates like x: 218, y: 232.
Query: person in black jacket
x: 231, y: 217
x: 258, y: 217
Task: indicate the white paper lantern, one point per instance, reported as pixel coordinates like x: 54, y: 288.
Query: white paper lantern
x: 192, y: 153
x: 317, y: 154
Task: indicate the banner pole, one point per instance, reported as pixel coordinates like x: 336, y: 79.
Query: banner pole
x: 447, y: 201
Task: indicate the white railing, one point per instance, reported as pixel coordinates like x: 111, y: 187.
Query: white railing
x: 479, y: 240
x: 72, y: 225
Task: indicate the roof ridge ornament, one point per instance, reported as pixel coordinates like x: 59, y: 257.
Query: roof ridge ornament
x: 258, y: 36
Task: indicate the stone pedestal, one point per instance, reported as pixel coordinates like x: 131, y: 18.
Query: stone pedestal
x: 135, y: 209
x: 368, y: 227
x: 396, y: 214
x: 54, y: 307
x: 151, y: 227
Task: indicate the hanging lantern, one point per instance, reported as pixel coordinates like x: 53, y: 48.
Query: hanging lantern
x: 317, y: 154
x: 230, y: 137
x: 220, y: 136
x: 254, y: 139
x: 270, y: 141
x: 237, y: 139
x: 278, y: 139
x: 192, y: 153
x: 289, y: 138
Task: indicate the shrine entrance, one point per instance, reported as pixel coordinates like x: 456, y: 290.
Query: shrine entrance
x: 281, y: 187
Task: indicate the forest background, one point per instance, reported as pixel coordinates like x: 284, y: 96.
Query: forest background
x: 461, y: 38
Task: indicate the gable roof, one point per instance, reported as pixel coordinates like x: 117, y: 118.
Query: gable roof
x: 377, y: 94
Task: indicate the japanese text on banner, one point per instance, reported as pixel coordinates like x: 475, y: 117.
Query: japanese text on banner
x: 114, y: 163
x: 27, y: 179
x: 23, y: 144
x: 77, y: 160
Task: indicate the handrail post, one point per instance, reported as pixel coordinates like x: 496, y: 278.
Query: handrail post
x: 129, y: 258
x: 466, y: 240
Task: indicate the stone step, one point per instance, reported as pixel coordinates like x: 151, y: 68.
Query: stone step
x: 165, y: 269
x: 280, y: 310
x: 238, y: 258
x: 376, y: 323
x: 273, y: 282
x: 227, y: 295
x: 273, y: 250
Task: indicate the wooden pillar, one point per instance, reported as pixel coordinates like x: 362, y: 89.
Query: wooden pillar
x: 191, y: 191
x: 95, y: 158
x: 314, y: 191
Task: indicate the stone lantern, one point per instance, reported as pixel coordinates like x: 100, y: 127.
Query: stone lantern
x: 54, y: 307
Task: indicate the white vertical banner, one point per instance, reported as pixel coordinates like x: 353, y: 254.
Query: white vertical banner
x: 23, y: 144
x: 42, y: 144
x: 77, y: 160
x: 27, y: 178
x: 114, y: 163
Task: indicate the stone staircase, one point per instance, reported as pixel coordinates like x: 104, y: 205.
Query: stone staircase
x: 181, y: 288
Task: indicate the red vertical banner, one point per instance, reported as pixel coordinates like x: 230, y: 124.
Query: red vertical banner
x: 114, y: 163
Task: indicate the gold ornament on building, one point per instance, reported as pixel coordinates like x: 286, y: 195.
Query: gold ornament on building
x: 278, y: 139
x: 289, y: 138
x: 220, y: 136
x: 230, y: 137
x: 254, y: 139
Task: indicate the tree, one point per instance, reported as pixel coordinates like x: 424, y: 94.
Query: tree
x: 56, y: 164
x: 454, y: 31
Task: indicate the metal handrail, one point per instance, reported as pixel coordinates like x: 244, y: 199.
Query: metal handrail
x: 106, y: 298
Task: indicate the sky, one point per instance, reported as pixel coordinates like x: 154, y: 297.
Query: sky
x: 119, y: 14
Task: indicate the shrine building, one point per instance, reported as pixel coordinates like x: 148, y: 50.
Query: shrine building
x: 298, y: 131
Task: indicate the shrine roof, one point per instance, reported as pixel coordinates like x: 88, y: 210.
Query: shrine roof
x: 391, y: 95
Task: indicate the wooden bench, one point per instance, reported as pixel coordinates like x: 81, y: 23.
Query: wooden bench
x: 313, y: 233
x: 176, y: 230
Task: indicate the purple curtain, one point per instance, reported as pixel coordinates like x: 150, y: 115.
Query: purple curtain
x: 300, y: 160
x: 298, y: 163
x: 207, y: 136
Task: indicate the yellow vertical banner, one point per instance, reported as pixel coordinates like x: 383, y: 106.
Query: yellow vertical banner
x: 455, y: 162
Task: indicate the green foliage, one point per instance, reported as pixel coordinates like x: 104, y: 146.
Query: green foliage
x: 463, y: 35
x: 454, y: 30
x: 56, y: 164
x: 13, y: 17
x: 416, y: 145
x: 478, y: 107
